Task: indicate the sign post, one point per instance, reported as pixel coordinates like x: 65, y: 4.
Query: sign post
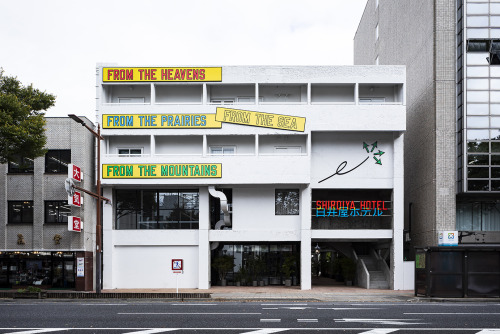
x: 177, y: 268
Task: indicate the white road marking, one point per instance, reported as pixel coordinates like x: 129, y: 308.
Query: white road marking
x: 307, y: 320
x: 270, y: 320
x: 454, y: 313
x: 42, y: 330
x: 195, y: 304
x: 315, y: 329
x: 154, y: 330
x: 267, y: 331
x: 380, y: 331
x: 99, y: 304
x: 382, y: 321
x: 270, y: 308
x: 178, y: 313
x: 348, y: 308
x: 283, y: 304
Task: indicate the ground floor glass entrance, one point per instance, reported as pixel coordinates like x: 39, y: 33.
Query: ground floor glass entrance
x: 256, y: 264
x: 43, y: 269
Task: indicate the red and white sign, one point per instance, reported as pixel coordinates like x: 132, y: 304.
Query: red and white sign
x: 76, y: 199
x: 75, y: 224
x: 75, y: 173
x: 177, y: 266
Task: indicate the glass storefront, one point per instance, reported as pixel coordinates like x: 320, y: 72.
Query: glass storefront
x: 43, y: 269
x: 257, y: 264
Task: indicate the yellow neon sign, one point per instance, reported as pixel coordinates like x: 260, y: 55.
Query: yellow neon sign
x: 266, y: 120
x: 161, y: 171
x: 161, y: 74
x: 160, y: 121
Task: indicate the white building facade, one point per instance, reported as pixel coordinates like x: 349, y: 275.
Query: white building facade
x: 282, y: 169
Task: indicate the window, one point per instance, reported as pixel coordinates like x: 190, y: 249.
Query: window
x: 20, y: 212
x: 57, y: 211
x: 56, y: 161
x: 478, y: 216
x: 372, y: 100
x: 130, y: 152
x: 287, y: 150
x: 286, y: 201
x: 157, y: 209
x: 21, y: 165
x: 131, y: 100
x: 222, y: 150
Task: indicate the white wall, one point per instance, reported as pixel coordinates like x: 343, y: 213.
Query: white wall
x: 116, y: 142
x: 244, y: 144
x: 331, y: 149
x: 143, y: 267
x: 268, y: 143
x: 254, y: 210
x: 179, y: 145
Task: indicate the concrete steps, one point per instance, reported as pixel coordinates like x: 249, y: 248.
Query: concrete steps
x: 377, y: 278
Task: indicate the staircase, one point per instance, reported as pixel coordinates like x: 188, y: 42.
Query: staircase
x: 377, y: 277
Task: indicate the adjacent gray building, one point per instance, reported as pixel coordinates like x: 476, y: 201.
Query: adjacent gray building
x: 36, y: 247
x: 452, y: 143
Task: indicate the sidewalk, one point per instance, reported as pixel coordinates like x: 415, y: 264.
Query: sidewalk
x: 270, y: 293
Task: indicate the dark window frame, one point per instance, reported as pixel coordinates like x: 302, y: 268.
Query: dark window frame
x: 283, y: 209
x: 24, y: 166
x: 55, y: 163
x: 152, y: 211
x: 25, y: 205
x: 60, y: 217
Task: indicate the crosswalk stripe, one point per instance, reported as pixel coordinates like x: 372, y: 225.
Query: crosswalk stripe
x: 42, y: 330
x: 489, y: 331
x: 152, y: 331
x: 380, y: 331
x: 267, y: 331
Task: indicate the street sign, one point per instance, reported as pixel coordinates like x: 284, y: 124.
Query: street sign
x: 448, y: 238
x: 75, y: 224
x: 80, y: 267
x: 75, y: 173
x: 69, y: 186
x: 177, y: 266
x: 76, y: 199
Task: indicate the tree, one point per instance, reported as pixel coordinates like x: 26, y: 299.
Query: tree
x: 22, y: 121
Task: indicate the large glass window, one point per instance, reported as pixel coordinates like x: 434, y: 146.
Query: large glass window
x: 21, y: 165
x: 57, y: 211
x: 286, y: 201
x: 157, y: 209
x: 478, y: 216
x: 20, y: 212
x: 56, y: 161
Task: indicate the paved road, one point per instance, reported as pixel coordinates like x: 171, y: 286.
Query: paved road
x: 146, y: 317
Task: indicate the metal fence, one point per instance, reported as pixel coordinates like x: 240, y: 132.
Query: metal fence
x: 457, y: 271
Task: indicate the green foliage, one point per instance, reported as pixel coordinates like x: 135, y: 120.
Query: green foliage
x: 288, y: 266
x: 21, y: 119
x: 29, y: 289
x: 348, y: 268
x: 223, y: 264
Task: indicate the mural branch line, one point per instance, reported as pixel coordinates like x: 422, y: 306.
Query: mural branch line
x: 343, y: 164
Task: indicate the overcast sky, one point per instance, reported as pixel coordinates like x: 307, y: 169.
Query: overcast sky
x: 55, y: 44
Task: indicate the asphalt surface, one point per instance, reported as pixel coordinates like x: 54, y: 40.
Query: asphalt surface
x: 122, y: 316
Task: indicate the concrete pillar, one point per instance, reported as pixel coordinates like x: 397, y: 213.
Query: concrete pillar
x: 107, y: 239
x: 305, y: 239
x: 204, y: 244
x: 398, y: 215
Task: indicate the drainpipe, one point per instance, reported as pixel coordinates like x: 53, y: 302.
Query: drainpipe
x: 225, y: 209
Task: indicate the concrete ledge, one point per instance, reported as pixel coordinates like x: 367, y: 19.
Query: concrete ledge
x: 114, y: 295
